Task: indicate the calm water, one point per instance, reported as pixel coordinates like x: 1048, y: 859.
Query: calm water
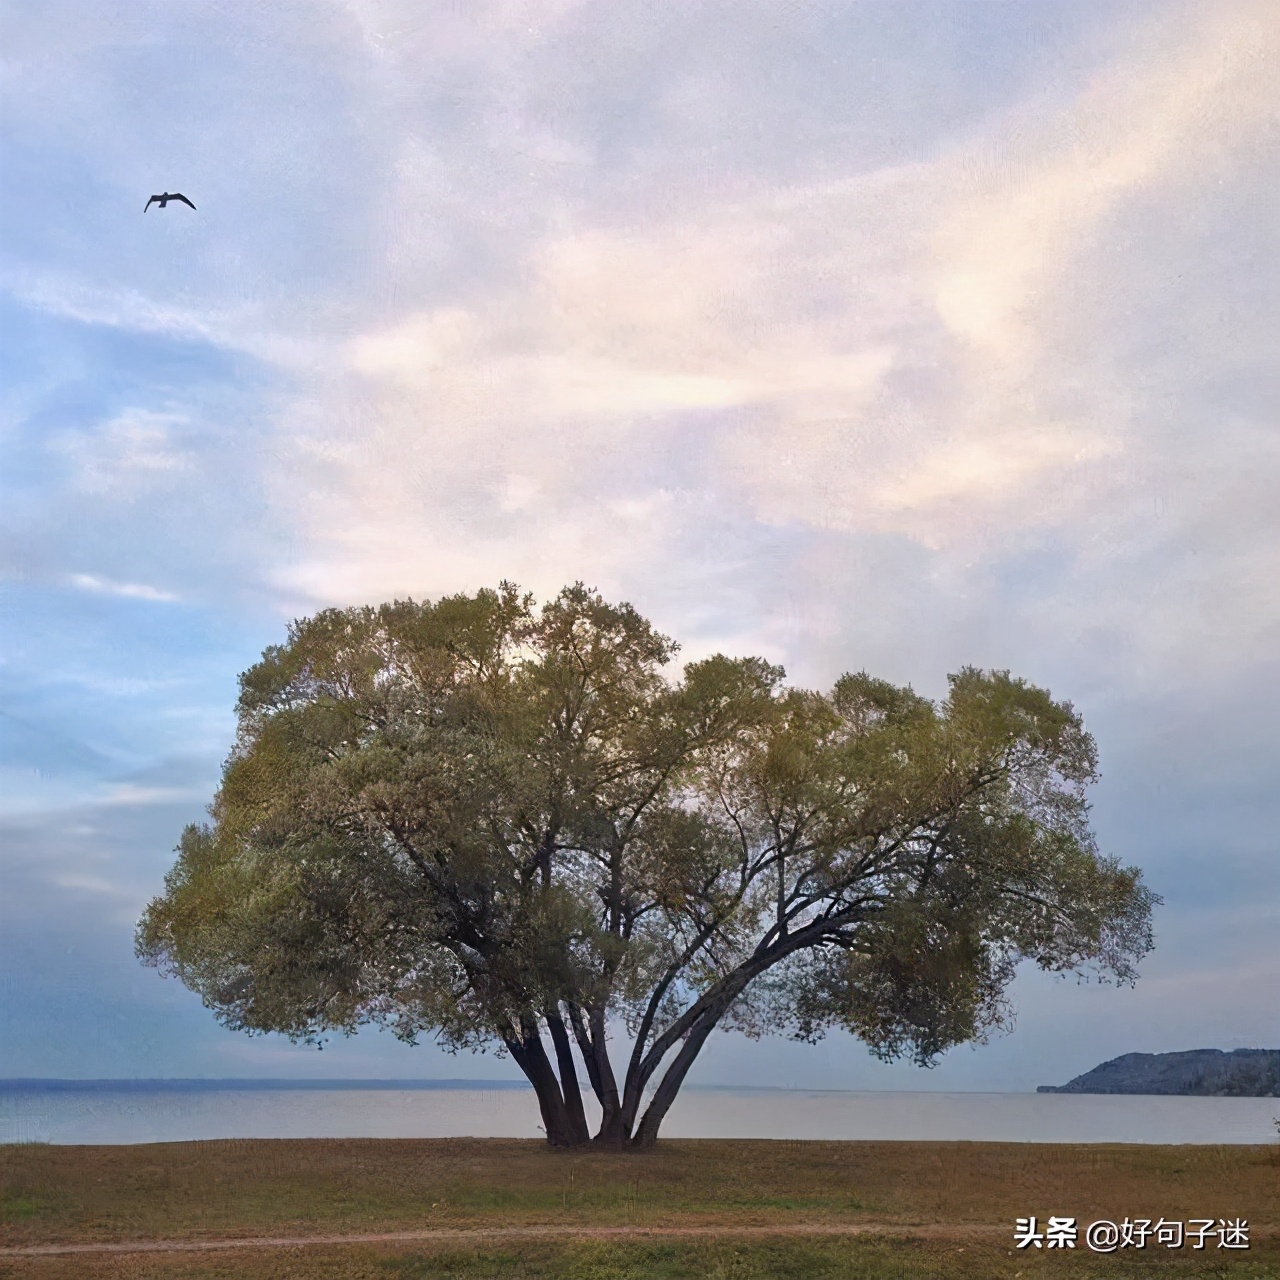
x: 160, y: 1114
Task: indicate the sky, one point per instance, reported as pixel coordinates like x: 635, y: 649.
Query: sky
x: 889, y: 336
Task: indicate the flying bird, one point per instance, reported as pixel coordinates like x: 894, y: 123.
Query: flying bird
x: 165, y: 198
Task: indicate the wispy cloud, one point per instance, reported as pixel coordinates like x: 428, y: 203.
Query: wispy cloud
x: 129, y: 794
x: 950, y: 350
x: 249, y: 327
x: 130, y: 451
x: 81, y: 883
x: 128, y: 590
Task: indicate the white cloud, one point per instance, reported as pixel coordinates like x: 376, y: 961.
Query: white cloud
x: 950, y: 351
x: 92, y: 884
x: 960, y: 347
x: 131, y: 451
x: 259, y: 328
x: 1171, y: 120
x: 128, y: 590
x: 130, y: 795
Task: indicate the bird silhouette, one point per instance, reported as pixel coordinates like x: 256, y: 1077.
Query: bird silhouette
x: 165, y: 198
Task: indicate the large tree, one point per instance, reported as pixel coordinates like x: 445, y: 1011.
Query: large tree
x: 499, y: 824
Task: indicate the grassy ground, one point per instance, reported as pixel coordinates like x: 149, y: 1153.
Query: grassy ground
x: 677, y: 1260
x: 933, y: 1209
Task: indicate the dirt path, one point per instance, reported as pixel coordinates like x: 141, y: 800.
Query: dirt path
x: 462, y: 1234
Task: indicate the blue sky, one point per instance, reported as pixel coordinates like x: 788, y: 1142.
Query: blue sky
x: 898, y: 336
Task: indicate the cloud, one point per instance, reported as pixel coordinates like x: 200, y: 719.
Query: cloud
x: 1170, y: 120
x: 91, y: 884
x: 129, y: 451
x: 128, y: 590
x: 130, y: 795
x: 259, y: 328
x: 949, y: 350
x: 76, y: 299
x: 568, y: 339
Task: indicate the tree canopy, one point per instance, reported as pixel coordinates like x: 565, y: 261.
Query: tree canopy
x: 500, y: 824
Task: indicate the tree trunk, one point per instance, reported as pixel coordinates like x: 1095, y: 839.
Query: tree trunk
x: 527, y: 1050
x: 646, y: 1133
x: 569, y: 1088
x: 730, y: 988
x: 589, y: 1031
x: 638, y: 1075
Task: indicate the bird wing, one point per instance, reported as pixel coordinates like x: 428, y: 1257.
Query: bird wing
x: 177, y: 195
x: 149, y: 203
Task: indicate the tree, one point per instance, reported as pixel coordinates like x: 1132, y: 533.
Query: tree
x: 498, y: 824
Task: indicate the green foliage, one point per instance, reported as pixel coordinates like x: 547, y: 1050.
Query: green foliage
x: 485, y: 821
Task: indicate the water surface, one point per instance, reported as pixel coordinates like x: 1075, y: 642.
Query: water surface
x: 158, y: 1112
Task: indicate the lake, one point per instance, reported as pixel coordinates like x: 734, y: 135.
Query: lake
x: 159, y: 1111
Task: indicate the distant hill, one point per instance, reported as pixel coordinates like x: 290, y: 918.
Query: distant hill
x: 1242, y: 1073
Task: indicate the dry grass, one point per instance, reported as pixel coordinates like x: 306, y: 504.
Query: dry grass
x: 252, y: 1188
x: 726, y: 1259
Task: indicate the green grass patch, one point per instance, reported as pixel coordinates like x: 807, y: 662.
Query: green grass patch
x: 20, y: 1208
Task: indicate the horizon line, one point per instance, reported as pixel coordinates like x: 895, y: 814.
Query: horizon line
x: 68, y: 1083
